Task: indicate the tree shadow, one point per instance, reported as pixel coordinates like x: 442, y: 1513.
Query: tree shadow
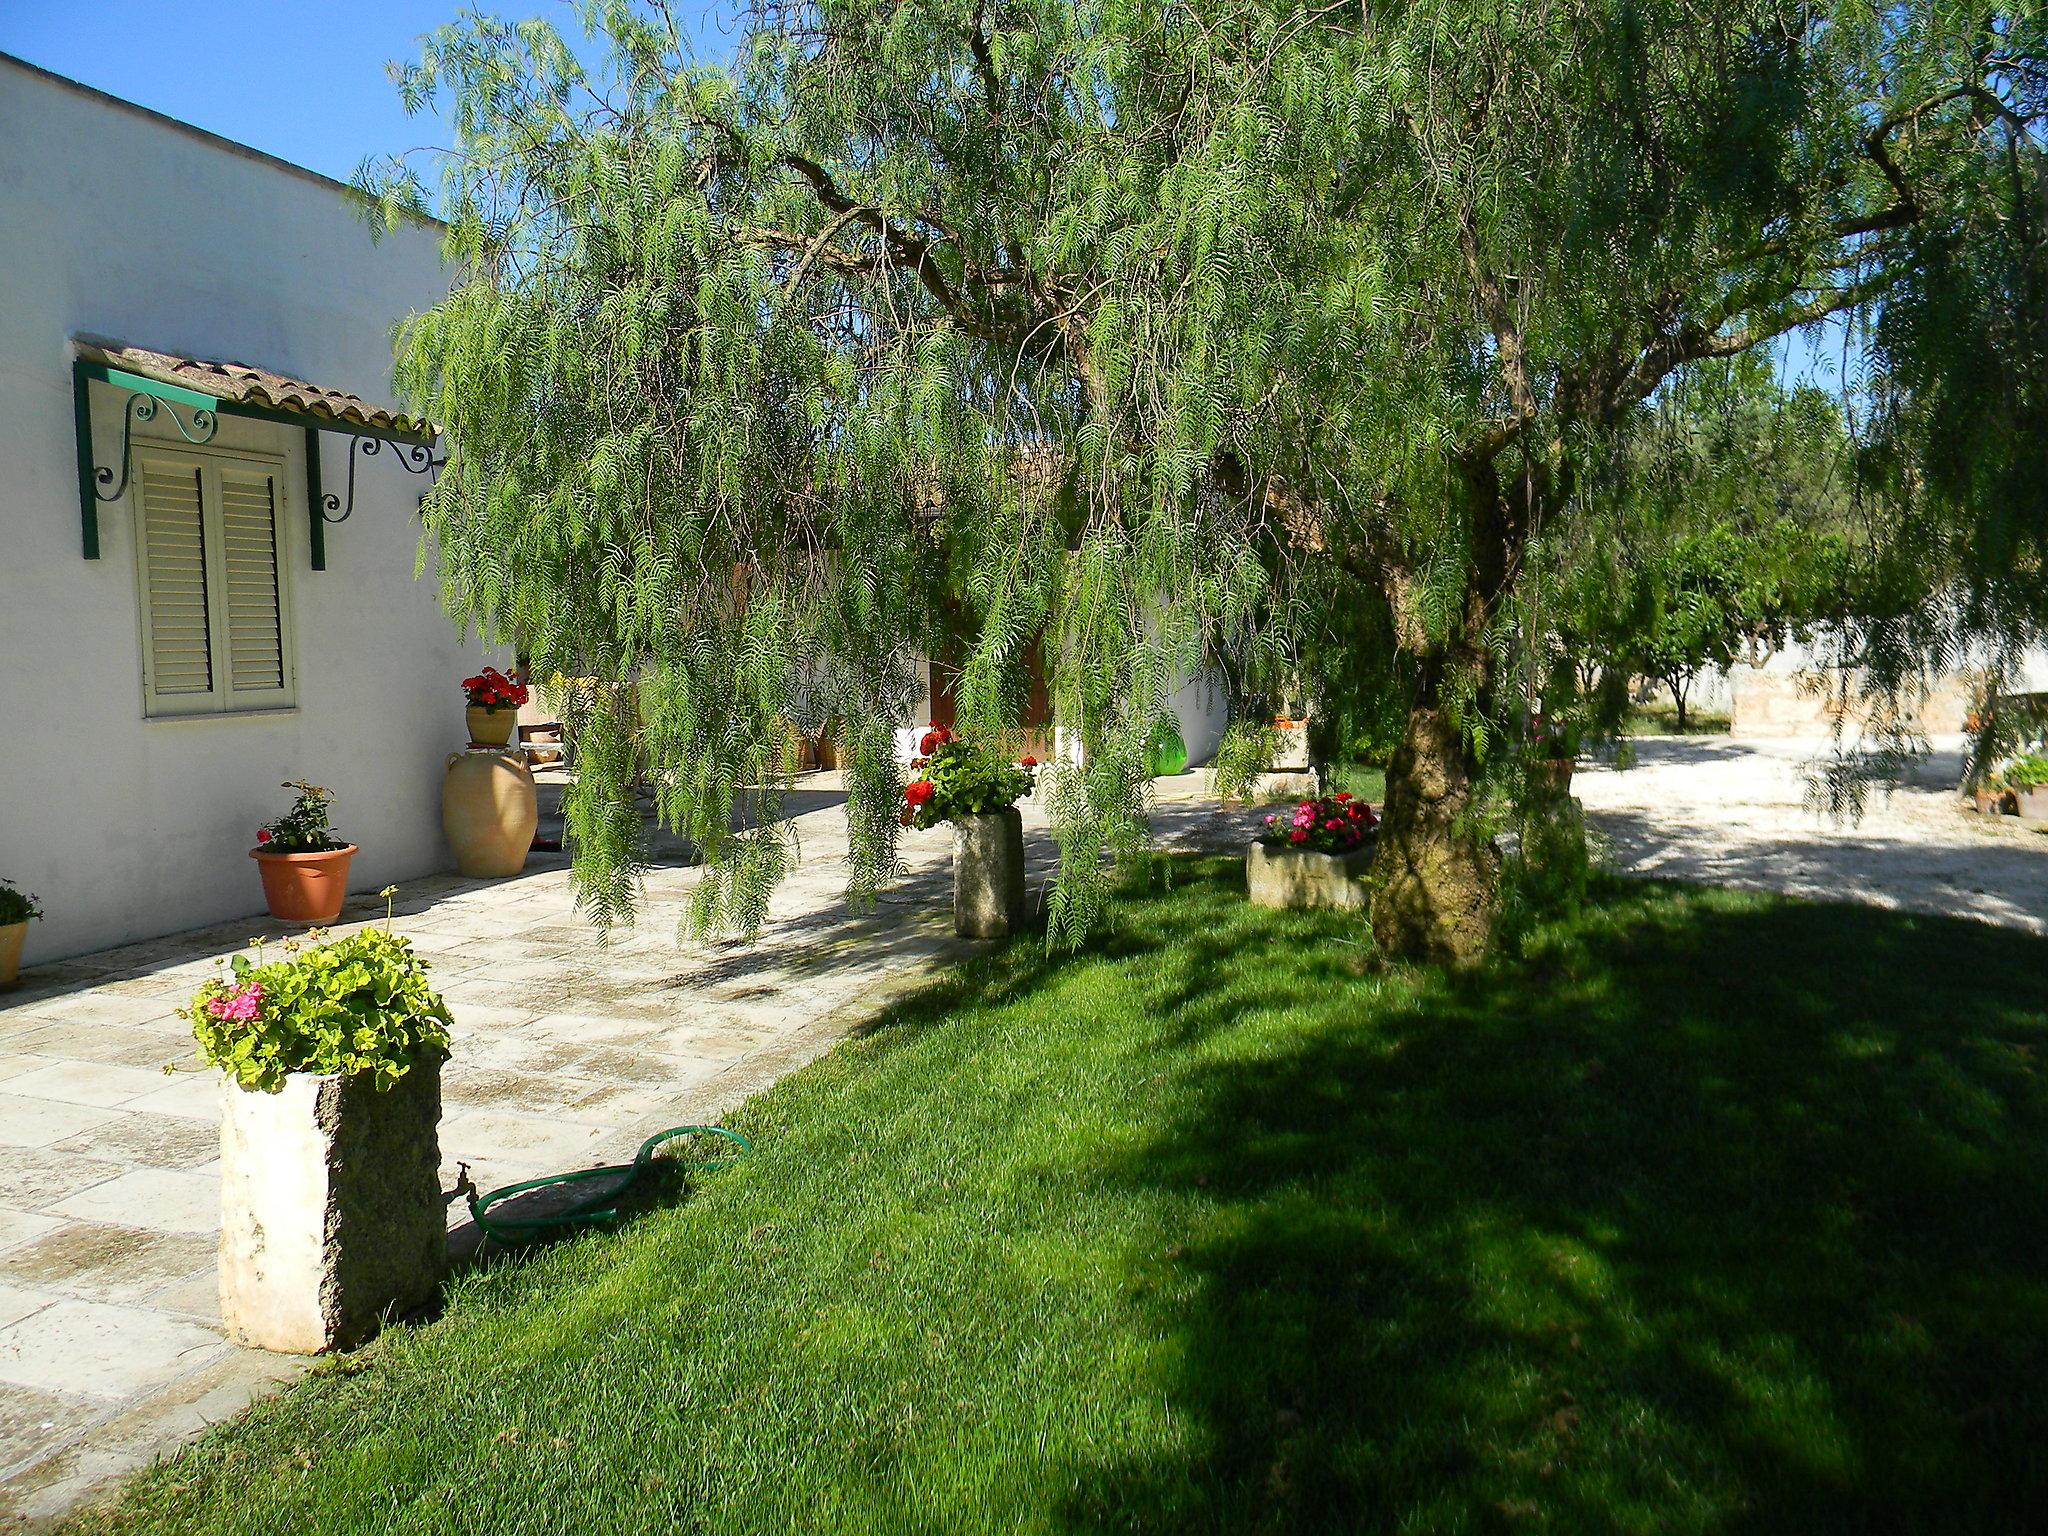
x: 1722, y: 1215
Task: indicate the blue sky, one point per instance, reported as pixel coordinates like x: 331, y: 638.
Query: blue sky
x: 306, y: 81
x: 302, y: 80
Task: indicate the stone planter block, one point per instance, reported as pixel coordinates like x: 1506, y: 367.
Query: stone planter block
x: 1295, y: 878
x: 331, y: 1210
x: 2034, y: 803
x: 988, y: 874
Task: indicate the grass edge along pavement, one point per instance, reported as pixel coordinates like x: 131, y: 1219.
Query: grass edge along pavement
x: 1712, y: 1211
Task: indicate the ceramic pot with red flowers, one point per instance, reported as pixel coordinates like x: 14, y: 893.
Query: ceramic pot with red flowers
x: 491, y: 727
x: 493, y: 702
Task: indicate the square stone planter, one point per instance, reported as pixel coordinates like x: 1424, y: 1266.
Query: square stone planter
x: 988, y: 874
x: 331, y: 1209
x: 2033, y: 803
x: 1295, y: 878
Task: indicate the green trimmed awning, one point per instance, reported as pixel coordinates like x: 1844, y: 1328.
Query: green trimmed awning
x: 206, y: 390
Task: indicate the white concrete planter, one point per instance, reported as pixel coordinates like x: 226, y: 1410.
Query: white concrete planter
x: 1293, y: 878
x: 2033, y: 803
x: 331, y: 1210
x: 988, y: 874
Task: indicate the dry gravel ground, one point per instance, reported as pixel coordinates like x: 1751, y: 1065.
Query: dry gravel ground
x: 1737, y: 813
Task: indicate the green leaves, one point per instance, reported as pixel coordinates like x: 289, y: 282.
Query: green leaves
x: 352, y: 1005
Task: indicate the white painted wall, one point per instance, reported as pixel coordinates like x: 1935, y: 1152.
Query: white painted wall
x: 117, y: 223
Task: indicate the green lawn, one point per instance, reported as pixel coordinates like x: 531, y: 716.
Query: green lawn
x: 1713, y: 1213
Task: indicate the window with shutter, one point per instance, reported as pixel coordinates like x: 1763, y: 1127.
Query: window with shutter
x: 215, y: 621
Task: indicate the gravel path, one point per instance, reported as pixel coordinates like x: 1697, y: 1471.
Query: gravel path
x: 1736, y: 813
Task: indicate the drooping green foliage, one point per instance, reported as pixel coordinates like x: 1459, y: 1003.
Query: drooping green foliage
x: 1116, y: 333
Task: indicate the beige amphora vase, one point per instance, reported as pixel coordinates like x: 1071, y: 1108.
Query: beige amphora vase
x: 489, y: 811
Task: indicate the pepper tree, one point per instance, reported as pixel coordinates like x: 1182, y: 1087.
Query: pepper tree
x: 1110, y: 329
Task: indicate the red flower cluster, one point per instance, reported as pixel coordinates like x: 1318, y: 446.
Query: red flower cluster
x: 1336, y: 825
x: 934, y: 738
x: 263, y: 834
x: 918, y: 791
x: 1027, y: 761
x: 492, y: 689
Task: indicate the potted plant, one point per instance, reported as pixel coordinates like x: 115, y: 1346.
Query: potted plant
x: 331, y: 1208
x: 17, y: 907
x: 303, y: 864
x: 1314, y: 857
x: 977, y: 791
x: 493, y: 712
x: 2028, y: 779
x: 1989, y: 792
x: 1553, y: 749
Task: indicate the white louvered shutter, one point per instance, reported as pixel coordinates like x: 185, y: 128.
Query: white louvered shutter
x: 254, y: 619
x: 216, y: 619
x: 177, y: 627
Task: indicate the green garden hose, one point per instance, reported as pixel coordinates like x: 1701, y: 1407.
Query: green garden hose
x: 602, y: 1206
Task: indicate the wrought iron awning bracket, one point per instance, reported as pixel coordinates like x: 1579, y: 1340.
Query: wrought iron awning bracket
x: 147, y: 396
x: 413, y: 458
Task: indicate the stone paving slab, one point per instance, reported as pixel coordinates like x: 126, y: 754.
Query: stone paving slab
x: 567, y: 1053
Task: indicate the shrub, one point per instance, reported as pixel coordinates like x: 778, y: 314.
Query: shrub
x: 303, y: 828
x: 353, y: 1005
x: 962, y: 779
x: 16, y: 906
x: 2029, y: 772
x: 1336, y: 825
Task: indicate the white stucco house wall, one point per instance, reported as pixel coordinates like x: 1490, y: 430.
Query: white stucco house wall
x: 149, y: 727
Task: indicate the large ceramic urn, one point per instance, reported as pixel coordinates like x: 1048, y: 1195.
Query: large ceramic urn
x: 489, y: 810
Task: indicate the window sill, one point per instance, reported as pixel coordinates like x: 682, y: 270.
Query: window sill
x: 218, y: 715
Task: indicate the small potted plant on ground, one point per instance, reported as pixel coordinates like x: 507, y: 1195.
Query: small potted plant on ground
x: 331, y: 1208
x: 977, y: 791
x: 1314, y: 857
x: 1989, y: 793
x: 17, y: 907
x: 2027, y: 778
x: 493, y: 712
x: 304, y: 865
x: 1552, y: 752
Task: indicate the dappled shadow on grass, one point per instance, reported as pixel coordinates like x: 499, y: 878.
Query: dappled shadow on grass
x: 1719, y: 1213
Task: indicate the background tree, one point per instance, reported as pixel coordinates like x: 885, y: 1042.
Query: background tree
x: 1116, y: 324
x: 1724, y: 524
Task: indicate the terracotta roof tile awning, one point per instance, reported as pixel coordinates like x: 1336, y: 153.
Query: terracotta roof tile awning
x: 259, y: 388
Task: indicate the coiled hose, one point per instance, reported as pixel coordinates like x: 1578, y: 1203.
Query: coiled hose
x: 603, y: 1205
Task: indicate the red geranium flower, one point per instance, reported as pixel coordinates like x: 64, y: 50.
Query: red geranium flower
x: 1298, y: 835
x: 1027, y: 761
x: 1342, y: 794
x: 918, y: 791
x: 263, y: 834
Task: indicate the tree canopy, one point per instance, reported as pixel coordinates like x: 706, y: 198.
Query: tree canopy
x: 1138, y: 335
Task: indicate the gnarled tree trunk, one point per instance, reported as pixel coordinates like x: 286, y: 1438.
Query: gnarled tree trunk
x: 1436, y: 885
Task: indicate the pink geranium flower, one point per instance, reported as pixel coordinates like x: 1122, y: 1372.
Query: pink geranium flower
x: 242, y: 1004
x: 1298, y: 835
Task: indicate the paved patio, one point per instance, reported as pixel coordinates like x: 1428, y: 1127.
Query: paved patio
x: 566, y: 1054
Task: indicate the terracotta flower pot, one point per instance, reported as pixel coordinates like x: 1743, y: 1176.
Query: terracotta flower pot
x: 491, y: 727
x: 489, y: 810
x: 11, y: 935
x: 304, y: 887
